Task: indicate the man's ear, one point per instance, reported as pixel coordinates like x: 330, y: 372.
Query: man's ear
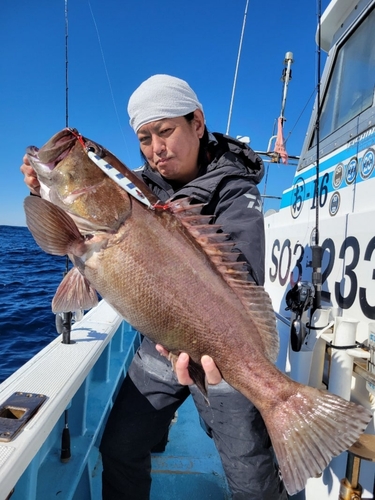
x: 199, y: 122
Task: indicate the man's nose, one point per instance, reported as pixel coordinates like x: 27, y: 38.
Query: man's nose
x: 158, y: 145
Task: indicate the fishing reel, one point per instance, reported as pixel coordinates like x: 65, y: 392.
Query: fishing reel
x: 299, y: 299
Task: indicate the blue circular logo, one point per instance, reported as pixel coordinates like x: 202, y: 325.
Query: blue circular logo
x: 368, y: 163
x: 351, y: 171
x: 298, y: 197
x: 334, y: 204
x: 338, y: 175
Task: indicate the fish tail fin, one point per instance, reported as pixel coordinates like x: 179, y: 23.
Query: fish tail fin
x: 53, y: 230
x: 309, y: 429
x: 74, y: 293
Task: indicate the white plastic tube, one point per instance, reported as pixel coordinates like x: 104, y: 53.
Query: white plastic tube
x: 340, y: 378
x: 307, y: 364
x: 320, y: 320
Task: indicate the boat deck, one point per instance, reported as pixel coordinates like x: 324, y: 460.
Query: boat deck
x: 189, y: 467
x: 84, y: 378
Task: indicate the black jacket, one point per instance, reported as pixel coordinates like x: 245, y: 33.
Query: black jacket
x: 228, y: 187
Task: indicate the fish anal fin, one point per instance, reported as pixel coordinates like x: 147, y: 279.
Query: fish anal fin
x: 309, y: 429
x: 73, y: 293
x: 196, y: 374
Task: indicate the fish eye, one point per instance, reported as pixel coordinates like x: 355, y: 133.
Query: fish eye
x: 95, y: 148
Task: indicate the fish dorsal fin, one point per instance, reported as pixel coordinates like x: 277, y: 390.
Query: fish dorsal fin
x: 218, y: 246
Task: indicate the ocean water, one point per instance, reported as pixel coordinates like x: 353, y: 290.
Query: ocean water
x: 28, y: 281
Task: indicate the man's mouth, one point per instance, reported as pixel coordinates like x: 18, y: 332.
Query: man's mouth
x: 162, y: 161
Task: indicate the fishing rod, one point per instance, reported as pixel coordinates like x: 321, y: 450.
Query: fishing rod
x: 64, y: 320
x: 64, y: 324
x: 66, y: 66
x: 317, y: 250
x: 306, y: 296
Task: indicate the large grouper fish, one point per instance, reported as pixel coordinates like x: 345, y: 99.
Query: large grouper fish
x: 171, y: 274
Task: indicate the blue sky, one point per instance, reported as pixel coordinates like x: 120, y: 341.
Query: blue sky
x: 196, y: 40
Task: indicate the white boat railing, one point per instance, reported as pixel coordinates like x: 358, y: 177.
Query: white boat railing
x: 82, y: 376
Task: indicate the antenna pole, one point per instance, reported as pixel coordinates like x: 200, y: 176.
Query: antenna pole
x: 236, y: 71
x: 286, y: 77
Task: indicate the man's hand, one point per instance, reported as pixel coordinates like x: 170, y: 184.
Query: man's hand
x: 181, y: 367
x: 30, y: 178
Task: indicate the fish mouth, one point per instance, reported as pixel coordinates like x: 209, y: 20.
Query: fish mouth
x: 32, y: 154
x: 53, y: 152
x: 32, y: 151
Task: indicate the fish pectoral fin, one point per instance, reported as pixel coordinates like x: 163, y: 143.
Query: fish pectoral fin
x: 308, y: 429
x: 53, y: 230
x: 74, y: 293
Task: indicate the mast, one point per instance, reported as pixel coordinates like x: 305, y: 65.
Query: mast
x: 286, y: 77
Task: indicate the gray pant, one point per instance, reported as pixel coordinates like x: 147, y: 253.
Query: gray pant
x: 141, y: 416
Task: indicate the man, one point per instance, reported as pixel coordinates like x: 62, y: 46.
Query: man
x: 183, y: 159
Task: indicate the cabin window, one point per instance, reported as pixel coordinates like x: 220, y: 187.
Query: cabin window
x: 351, y: 87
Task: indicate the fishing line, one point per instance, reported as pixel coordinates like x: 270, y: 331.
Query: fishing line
x: 108, y: 78
x: 236, y: 70
x: 300, y: 116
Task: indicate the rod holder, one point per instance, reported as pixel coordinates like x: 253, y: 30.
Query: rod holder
x: 341, y: 370
x: 363, y: 449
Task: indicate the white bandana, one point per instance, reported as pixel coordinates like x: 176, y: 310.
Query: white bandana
x: 161, y: 96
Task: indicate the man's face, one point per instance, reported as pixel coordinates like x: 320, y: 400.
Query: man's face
x: 171, y: 146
